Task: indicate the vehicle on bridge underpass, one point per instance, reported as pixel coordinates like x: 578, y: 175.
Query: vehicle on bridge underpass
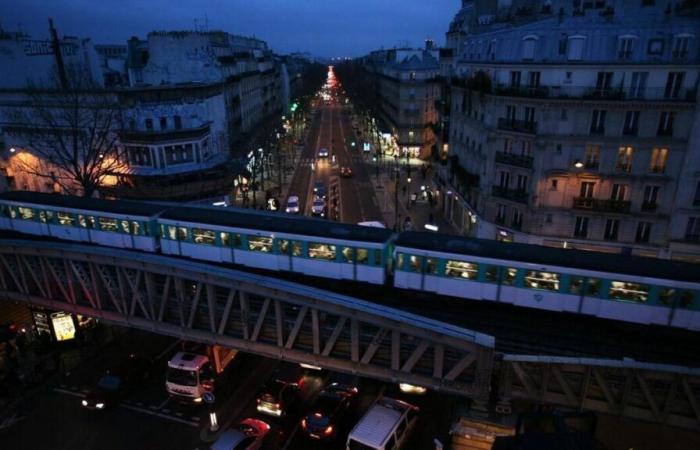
x: 192, y: 373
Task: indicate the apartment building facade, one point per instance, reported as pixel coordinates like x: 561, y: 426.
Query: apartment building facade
x: 575, y: 124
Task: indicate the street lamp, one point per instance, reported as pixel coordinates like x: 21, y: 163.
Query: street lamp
x: 578, y: 164
x: 376, y: 167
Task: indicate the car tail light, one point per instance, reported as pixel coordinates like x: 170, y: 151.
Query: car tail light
x: 317, y: 415
x: 303, y: 423
x: 277, y: 405
x: 328, y: 431
x: 258, y: 401
x: 207, y: 385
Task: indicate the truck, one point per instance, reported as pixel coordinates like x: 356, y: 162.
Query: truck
x: 197, y: 369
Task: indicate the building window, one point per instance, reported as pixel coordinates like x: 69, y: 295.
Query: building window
x: 643, y: 232
x: 659, y: 157
x: 674, y: 82
x: 624, y: 47
x: 692, y: 230
x: 651, y: 195
x: 696, y: 199
x: 528, y: 50
x: 461, y: 269
x: 178, y: 122
x: 618, y: 192
x: 517, y: 222
x: 611, y: 228
x: 529, y: 114
x: 163, y: 123
x: 501, y: 214
x: 638, y: 85
x: 515, y: 79
x: 522, y: 183
x: 533, y: 79
x: 575, y: 48
x: 412, y: 76
x: 655, y: 47
x: 603, y: 83
x: 592, y: 158
x: 624, y: 159
x: 680, y: 47
x: 587, y: 188
x: 554, y: 184
x: 631, y: 123
x: 504, y: 179
x: 598, y: 121
x: 562, y: 44
x: 666, y: 124
x: 581, y: 227
x: 149, y: 124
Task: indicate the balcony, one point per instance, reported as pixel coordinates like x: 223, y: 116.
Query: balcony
x: 594, y: 204
x: 515, y: 195
x: 154, y: 137
x: 521, y: 126
x: 664, y: 132
x: 596, y: 93
x: 517, y: 91
x: 630, y: 131
x: 657, y: 169
x: 514, y: 160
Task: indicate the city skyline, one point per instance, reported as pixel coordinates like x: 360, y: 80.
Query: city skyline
x: 360, y: 26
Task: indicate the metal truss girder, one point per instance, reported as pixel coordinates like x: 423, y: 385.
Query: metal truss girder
x: 196, y: 301
x: 651, y: 392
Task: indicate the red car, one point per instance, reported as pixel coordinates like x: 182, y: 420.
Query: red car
x: 345, y: 172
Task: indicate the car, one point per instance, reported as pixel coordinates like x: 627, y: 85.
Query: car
x: 318, y: 207
x: 281, y: 392
x: 320, y: 189
x: 323, y: 153
x: 345, y: 172
x: 117, y: 382
x: 247, y: 435
x: 328, y: 411
x: 292, y: 205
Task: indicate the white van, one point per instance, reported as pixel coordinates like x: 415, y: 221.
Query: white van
x: 386, y: 426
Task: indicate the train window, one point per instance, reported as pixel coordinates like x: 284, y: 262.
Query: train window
x: 666, y: 296
x: 593, y: 287
x: 237, y: 240
x: 361, y: 255
x: 284, y: 246
x: 431, y: 266
x: 46, y: 216
x: 415, y: 262
x: 321, y: 251
x: 66, y: 219
x: 26, y: 213
x: 136, y: 227
x: 347, y: 254
x: 225, y: 238
x: 399, y: 261
x: 576, y: 285
x: 624, y: 290
x: 13, y: 212
x: 125, y: 227
x: 182, y: 233
x: 510, y: 275
x: 297, y: 249
x: 201, y: 236
x: 686, y: 299
x: 81, y: 221
x: 548, y: 281
x: 260, y: 244
x: 491, y: 273
x: 108, y: 224
x: 5, y: 211
x: 172, y: 233
x: 461, y: 269
x: 377, y: 257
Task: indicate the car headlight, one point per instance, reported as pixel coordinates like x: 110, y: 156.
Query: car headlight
x: 84, y: 402
x: 100, y: 405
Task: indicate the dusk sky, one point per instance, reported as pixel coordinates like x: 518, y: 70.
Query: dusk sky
x: 322, y: 27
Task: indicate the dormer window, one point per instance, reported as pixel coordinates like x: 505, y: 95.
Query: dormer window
x: 575, y: 48
x: 625, y: 46
x: 528, y: 48
x: 681, y: 44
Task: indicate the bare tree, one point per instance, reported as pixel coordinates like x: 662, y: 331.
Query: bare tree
x: 72, y: 132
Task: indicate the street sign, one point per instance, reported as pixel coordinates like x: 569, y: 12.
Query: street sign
x: 208, y: 398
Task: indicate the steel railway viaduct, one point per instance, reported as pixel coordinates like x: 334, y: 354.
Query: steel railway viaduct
x: 294, y: 322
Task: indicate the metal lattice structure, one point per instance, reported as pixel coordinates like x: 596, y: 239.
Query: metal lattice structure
x: 258, y: 314
x: 651, y: 392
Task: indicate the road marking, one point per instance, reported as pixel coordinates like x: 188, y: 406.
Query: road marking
x: 163, y: 404
x: 162, y: 416
x: 67, y: 392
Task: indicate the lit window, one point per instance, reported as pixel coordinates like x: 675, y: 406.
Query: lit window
x: 182, y: 233
x: 510, y: 276
x: 542, y: 280
x: 260, y: 244
x: 201, y: 236
x: 283, y: 246
x: 321, y: 251
x: 624, y: 290
x: 26, y: 213
x: 297, y: 248
x: 66, y: 219
x: 576, y: 285
x: 666, y: 296
x: 461, y: 269
x: 659, y: 157
x: 225, y: 239
x: 415, y: 263
x: 362, y: 255
x: 125, y: 226
x: 108, y: 224
x: 491, y: 273
x: 347, y: 254
x: 399, y: 261
x: 431, y: 266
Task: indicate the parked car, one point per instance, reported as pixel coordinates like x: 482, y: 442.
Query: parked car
x: 247, y: 435
x: 328, y: 411
x: 117, y: 382
x: 292, y: 205
x: 345, y: 172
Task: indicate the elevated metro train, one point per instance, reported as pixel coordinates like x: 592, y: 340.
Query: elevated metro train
x: 627, y: 288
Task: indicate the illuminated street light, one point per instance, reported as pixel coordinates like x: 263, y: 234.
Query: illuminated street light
x: 12, y: 149
x: 578, y: 164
